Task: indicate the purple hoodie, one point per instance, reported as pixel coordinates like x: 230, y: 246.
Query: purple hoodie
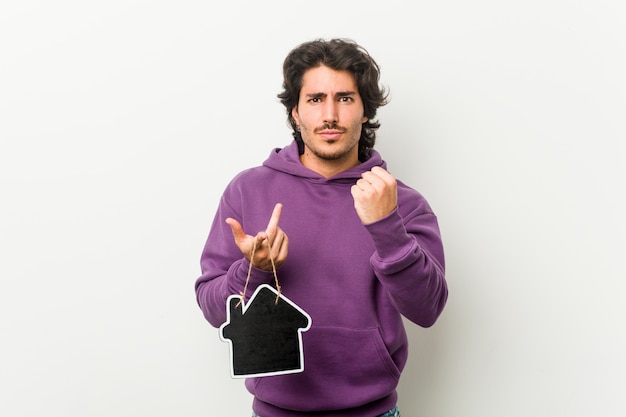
x: 354, y: 280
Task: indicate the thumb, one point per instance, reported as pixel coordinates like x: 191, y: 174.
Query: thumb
x: 237, y: 229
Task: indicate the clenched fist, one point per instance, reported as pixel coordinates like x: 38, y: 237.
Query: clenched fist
x: 375, y: 195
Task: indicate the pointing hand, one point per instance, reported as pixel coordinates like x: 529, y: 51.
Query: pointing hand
x: 272, y: 237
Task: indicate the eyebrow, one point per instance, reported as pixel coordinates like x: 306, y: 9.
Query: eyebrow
x: 338, y: 94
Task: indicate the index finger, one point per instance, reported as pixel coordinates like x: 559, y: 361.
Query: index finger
x: 273, y: 224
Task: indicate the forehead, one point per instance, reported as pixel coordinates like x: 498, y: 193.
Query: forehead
x: 326, y: 80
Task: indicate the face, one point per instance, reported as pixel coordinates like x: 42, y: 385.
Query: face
x: 330, y: 117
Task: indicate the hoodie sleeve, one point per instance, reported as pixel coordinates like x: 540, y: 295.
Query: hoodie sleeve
x: 224, y: 268
x: 409, y: 262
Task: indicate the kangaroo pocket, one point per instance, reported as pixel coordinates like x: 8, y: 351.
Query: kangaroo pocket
x: 343, y: 368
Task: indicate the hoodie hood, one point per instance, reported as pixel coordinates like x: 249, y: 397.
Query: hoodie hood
x: 287, y: 160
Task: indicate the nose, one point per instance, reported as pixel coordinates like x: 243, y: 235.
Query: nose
x: 330, y: 112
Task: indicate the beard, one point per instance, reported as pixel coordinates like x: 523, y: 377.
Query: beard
x: 331, y: 150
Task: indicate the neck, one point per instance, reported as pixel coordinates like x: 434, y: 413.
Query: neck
x: 327, y: 168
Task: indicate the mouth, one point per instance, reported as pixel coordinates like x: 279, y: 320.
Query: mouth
x: 331, y: 134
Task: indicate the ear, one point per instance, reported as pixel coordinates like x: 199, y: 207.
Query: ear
x: 294, y: 115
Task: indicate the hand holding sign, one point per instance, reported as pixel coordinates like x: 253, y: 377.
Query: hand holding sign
x: 272, y: 238
x: 265, y: 334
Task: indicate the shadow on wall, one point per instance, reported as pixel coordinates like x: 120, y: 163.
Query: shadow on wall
x: 422, y: 384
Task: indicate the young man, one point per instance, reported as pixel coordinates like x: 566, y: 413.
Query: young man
x: 354, y: 247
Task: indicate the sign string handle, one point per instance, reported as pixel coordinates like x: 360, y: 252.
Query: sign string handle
x: 245, y: 287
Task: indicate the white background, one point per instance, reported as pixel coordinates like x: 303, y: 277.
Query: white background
x: 122, y: 121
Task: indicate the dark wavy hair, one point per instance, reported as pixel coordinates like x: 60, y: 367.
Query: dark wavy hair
x: 338, y: 54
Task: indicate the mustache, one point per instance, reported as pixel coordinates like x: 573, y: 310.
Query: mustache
x: 329, y: 126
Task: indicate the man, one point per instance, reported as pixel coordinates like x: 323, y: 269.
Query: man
x: 354, y: 247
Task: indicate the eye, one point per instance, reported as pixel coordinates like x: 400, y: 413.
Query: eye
x: 346, y: 99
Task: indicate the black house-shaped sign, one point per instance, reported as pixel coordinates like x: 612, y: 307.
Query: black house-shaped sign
x: 265, y: 335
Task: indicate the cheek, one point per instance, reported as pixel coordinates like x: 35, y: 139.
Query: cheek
x: 358, y: 126
x: 308, y: 121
